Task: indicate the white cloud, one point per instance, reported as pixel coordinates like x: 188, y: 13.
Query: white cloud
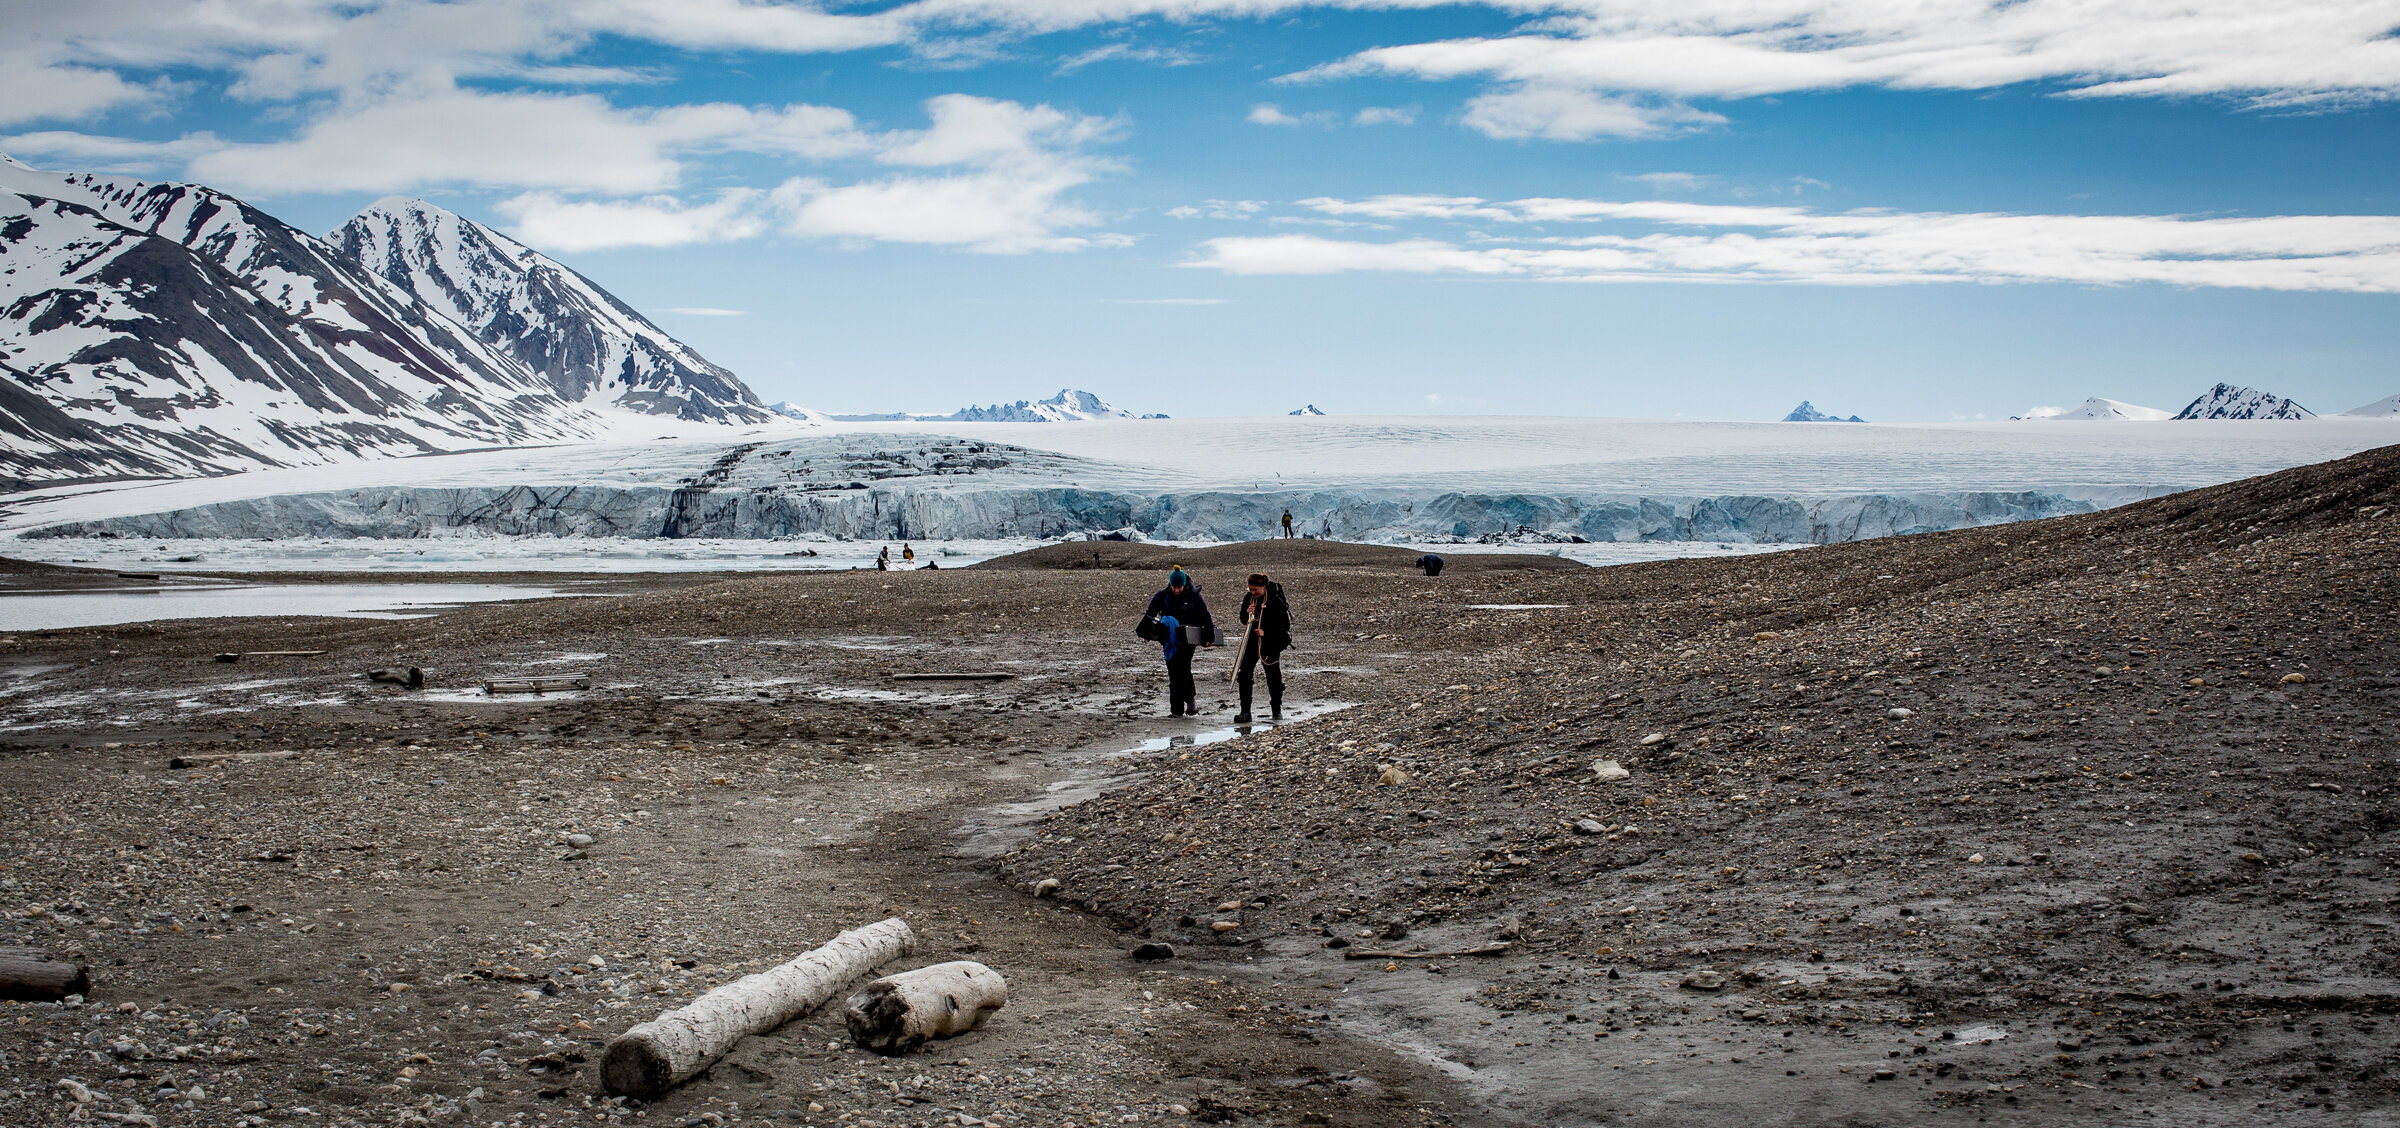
x: 33, y: 88
x: 1673, y: 241
x: 543, y: 220
x: 1669, y: 181
x: 1561, y: 113
x: 1268, y: 113
x: 1387, y: 115
x: 1218, y: 209
x: 1127, y: 53
x: 89, y: 152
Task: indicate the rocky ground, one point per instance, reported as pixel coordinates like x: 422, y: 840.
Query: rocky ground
x: 2076, y: 821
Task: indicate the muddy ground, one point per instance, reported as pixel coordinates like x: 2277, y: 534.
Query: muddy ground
x: 2079, y: 821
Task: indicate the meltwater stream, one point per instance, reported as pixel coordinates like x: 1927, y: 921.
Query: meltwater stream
x: 54, y: 609
x: 988, y: 832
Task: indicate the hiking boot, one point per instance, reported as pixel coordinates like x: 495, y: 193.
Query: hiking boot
x: 1241, y: 718
x: 1275, y: 711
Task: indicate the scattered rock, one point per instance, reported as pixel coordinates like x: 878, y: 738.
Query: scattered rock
x: 1391, y: 775
x: 1704, y: 980
x: 1154, y: 951
x: 1046, y: 887
x: 1591, y: 826
x: 1610, y: 771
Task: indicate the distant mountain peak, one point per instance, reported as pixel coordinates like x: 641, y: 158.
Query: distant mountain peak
x: 1807, y: 413
x: 593, y: 348
x: 2386, y: 408
x: 1311, y: 409
x: 2229, y: 401
x: 2098, y: 408
x: 1070, y: 405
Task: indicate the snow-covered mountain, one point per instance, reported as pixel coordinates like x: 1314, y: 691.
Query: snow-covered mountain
x: 169, y: 329
x: 790, y: 410
x: 2386, y: 408
x: 2098, y: 408
x: 1311, y: 409
x: 1068, y: 406
x: 2226, y: 401
x: 1807, y: 413
x: 591, y: 348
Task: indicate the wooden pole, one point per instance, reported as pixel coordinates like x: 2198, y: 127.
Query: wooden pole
x: 666, y: 1051
x: 34, y: 976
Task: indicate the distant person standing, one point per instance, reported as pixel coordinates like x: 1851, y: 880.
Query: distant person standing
x: 1178, y: 620
x: 1270, y: 621
x: 1287, y: 524
x: 883, y: 559
x: 1431, y: 563
x: 908, y: 553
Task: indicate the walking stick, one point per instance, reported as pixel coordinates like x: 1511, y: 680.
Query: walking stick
x: 1256, y: 627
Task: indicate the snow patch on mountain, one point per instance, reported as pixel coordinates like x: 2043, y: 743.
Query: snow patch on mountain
x: 591, y: 348
x: 2228, y: 401
x: 1807, y: 413
x: 1310, y: 409
x: 2098, y: 408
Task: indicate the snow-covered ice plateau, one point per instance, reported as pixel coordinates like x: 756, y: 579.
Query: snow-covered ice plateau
x: 1468, y: 482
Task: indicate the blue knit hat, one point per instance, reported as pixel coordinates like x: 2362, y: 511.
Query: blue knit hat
x: 1176, y: 578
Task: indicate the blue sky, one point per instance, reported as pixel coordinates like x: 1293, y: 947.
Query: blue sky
x: 1704, y: 208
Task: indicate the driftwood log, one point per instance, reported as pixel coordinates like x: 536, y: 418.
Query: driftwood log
x: 546, y: 683
x: 898, y: 1013
x: 662, y: 1053
x: 34, y: 976
x: 971, y: 675
x: 203, y: 759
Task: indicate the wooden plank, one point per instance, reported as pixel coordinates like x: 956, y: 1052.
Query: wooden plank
x: 969, y: 675
x: 33, y: 975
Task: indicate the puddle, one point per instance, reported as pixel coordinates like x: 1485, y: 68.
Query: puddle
x: 106, y: 607
x: 1095, y: 770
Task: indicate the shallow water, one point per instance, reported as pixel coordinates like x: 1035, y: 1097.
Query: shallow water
x: 53, y: 610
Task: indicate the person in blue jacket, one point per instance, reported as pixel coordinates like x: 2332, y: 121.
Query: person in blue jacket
x: 1178, y: 620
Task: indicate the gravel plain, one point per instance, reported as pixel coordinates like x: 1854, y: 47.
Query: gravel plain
x: 2073, y: 821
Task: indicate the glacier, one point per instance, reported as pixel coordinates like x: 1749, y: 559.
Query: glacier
x: 1423, y: 480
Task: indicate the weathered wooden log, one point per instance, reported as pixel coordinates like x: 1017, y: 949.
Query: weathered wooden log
x: 202, y: 759
x: 898, y: 1013
x: 412, y: 677
x: 662, y: 1053
x: 547, y: 683
x: 971, y: 675
x: 33, y: 975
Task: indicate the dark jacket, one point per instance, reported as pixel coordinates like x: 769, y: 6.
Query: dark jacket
x: 1188, y: 609
x: 1275, y: 619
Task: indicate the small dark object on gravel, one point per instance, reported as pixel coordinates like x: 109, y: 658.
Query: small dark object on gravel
x: 411, y: 677
x: 1154, y: 951
x: 33, y: 975
x: 229, y: 657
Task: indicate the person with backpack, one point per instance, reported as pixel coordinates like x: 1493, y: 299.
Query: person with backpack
x: 1178, y: 620
x: 1269, y: 618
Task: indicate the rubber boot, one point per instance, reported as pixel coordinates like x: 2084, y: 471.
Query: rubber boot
x: 1275, y: 708
x: 1243, y: 717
